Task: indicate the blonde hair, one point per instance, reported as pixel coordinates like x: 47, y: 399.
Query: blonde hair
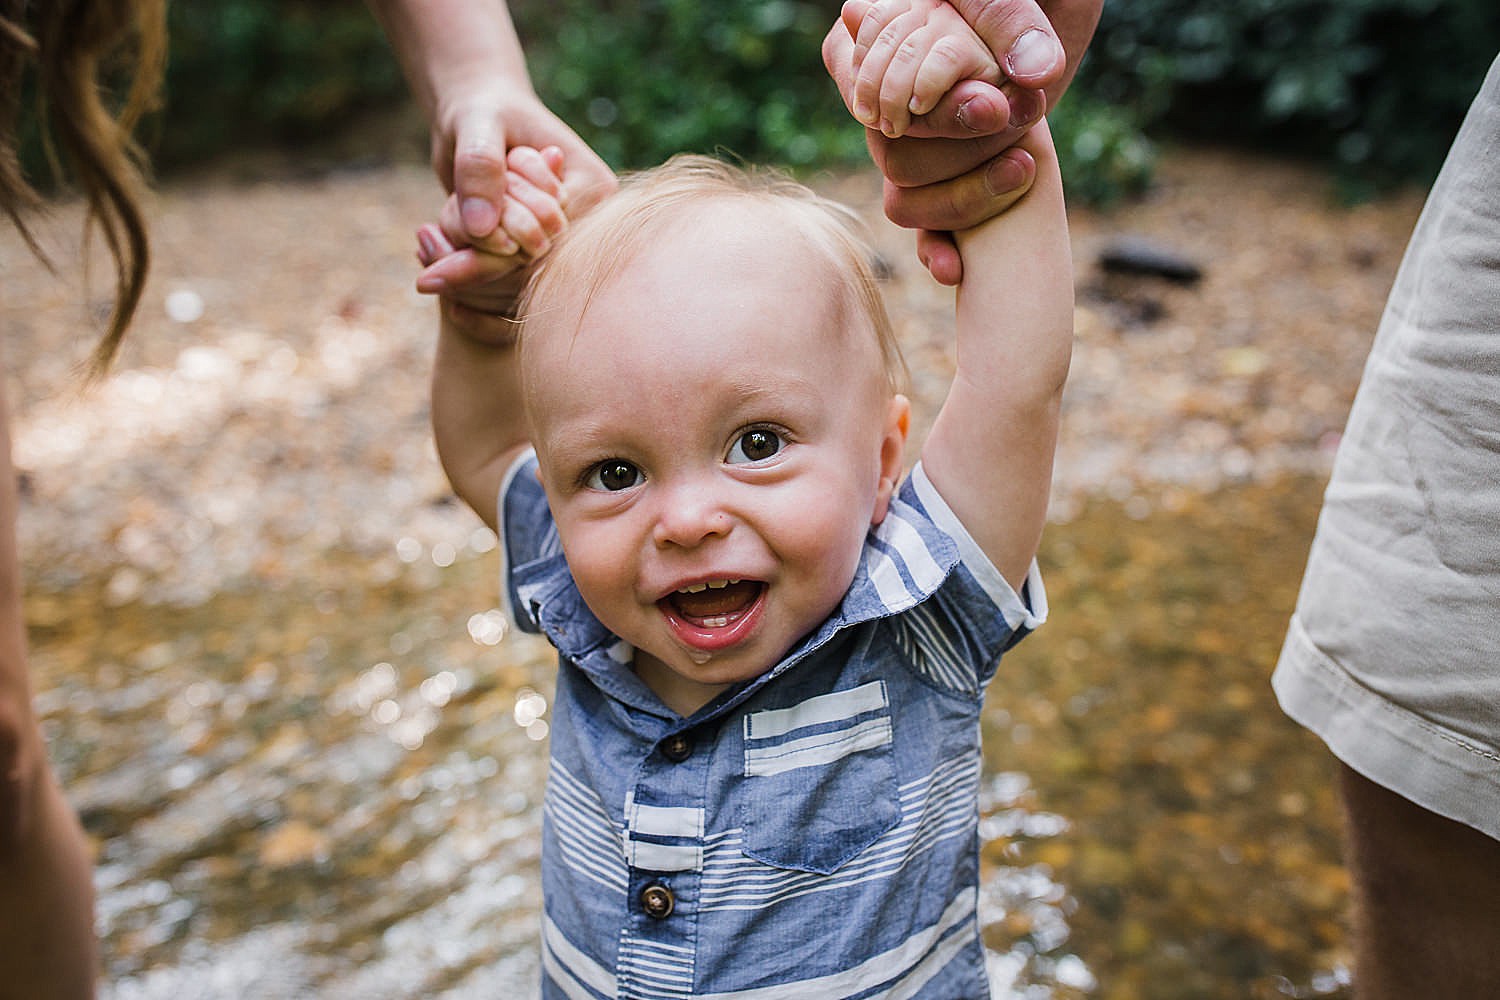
x: 72, y: 44
x: 596, y: 246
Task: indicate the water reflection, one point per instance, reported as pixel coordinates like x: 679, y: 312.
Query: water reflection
x: 305, y: 792
x: 333, y: 789
x: 1202, y: 845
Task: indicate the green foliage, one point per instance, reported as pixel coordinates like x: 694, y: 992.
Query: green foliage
x: 1105, y: 156
x: 1375, y: 87
x: 261, y: 71
x: 643, y: 80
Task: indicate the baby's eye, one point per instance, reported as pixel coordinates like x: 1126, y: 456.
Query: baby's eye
x: 614, y: 475
x: 755, y: 446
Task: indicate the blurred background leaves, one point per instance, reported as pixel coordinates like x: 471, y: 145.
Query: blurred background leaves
x: 1374, y: 89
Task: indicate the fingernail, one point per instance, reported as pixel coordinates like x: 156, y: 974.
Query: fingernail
x: 864, y: 113
x: 479, y: 216
x: 429, y: 247
x: 1003, y: 176
x: 977, y: 114
x: 1033, y: 54
x: 1026, y: 106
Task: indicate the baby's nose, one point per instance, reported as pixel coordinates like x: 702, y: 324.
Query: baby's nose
x: 691, y: 514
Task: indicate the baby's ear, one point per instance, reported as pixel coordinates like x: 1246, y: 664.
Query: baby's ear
x: 892, y: 452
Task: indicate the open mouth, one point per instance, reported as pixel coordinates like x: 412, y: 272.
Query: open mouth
x: 715, y: 603
x: 716, y: 615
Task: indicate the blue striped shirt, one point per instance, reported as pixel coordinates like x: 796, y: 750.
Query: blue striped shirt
x: 810, y: 833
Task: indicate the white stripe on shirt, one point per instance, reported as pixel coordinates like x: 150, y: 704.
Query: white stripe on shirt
x: 875, y: 970
x: 825, y: 708
x: 817, y: 750
x: 571, y: 968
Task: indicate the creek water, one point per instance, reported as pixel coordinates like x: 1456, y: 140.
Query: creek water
x: 311, y: 761
x: 332, y: 788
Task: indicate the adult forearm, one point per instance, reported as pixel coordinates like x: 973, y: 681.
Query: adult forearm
x: 1074, y: 21
x: 445, y: 45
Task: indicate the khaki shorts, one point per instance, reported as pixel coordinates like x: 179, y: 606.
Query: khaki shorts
x: 1393, y: 654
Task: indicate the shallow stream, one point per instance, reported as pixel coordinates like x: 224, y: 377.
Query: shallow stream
x: 311, y: 763
x: 332, y: 788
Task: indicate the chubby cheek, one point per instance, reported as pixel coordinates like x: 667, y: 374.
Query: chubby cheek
x: 602, y: 567
x: 820, y: 540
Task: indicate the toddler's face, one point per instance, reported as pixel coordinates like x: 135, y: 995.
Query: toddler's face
x: 714, y: 443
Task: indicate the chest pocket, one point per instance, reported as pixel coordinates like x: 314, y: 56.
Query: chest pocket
x: 820, y: 779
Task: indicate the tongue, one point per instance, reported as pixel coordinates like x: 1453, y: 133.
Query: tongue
x: 713, y: 603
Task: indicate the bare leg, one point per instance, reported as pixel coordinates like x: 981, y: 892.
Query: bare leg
x: 47, y: 947
x: 1426, y: 899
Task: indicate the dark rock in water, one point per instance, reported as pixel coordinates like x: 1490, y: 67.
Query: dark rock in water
x: 1137, y: 255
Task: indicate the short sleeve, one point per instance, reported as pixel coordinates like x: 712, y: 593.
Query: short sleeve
x: 955, y: 637
x: 1023, y: 612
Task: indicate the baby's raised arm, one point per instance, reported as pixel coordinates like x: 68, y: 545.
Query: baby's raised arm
x: 479, y: 423
x: 907, y: 55
x: 991, y: 448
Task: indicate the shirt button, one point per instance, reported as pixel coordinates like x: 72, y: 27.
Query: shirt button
x: 657, y: 900
x: 677, y: 748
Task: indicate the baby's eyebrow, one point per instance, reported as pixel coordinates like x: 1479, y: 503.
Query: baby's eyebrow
x: 576, y: 441
x: 753, y: 390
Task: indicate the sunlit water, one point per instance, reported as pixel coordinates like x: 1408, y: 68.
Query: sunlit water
x: 333, y: 789
x: 274, y: 684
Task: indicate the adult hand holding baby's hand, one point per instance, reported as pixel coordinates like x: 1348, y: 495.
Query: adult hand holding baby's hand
x: 471, y: 141
x: 953, y: 167
x: 479, y: 287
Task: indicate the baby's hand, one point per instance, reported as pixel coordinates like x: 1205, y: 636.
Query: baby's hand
x: 479, y: 286
x: 907, y: 55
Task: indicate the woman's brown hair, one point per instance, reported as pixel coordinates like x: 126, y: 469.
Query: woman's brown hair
x: 75, y: 47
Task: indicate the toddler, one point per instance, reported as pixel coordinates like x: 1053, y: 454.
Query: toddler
x: 772, y: 645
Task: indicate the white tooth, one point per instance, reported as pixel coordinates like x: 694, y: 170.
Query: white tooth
x: 696, y: 588
x: 718, y: 584
x: 719, y: 622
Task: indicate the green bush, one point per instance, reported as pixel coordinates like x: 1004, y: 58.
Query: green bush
x: 1375, y: 87
x: 248, y: 72
x: 1104, y: 153
x: 641, y: 81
